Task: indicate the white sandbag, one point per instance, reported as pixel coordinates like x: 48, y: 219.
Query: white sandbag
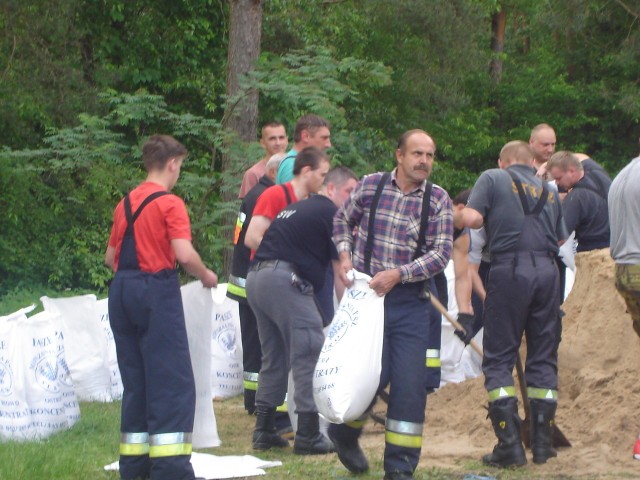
x: 347, y: 373
x: 102, y: 308
x: 226, y: 345
x: 85, y: 345
x: 36, y: 395
x: 471, y: 361
x: 451, y: 347
x: 198, y: 310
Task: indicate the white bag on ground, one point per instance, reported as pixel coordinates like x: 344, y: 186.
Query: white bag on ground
x: 36, y: 396
x: 198, y: 310
x: 102, y: 307
x: 226, y: 345
x: 347, y: 374
x: 85, y: 345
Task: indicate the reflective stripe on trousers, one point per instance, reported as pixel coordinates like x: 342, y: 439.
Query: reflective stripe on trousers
x: 433, y: 358
x: 403, y: 434
x: 134, y: 444
x: 250, y: 381
x: 542, y: 394
x: 501, y: 392
x: 170, y: 444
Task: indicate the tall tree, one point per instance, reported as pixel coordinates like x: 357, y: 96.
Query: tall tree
x: 241, y: 116
x: 498, y: 27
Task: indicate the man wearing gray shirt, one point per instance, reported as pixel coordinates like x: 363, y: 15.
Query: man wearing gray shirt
x: 624, y: 220
x: 524, y: 227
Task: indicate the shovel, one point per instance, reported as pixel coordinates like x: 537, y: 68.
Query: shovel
x: 559, y: 439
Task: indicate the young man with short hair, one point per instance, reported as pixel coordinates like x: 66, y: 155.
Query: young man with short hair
x: 151, y: 230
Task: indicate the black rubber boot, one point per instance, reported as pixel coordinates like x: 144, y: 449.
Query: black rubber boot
x: 265, y: 435
x: 509, y: 451
x: 309, y: 440
x: 543, y: 414
x: 345, y: 439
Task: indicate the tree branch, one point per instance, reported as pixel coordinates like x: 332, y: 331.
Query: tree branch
x: 628, y: 9
x: 10, y: 59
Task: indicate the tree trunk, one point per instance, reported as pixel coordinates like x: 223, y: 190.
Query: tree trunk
x: 245, y: 30
x: 498, y: 25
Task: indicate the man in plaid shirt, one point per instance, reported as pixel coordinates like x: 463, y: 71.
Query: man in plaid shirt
x: 402, y: 266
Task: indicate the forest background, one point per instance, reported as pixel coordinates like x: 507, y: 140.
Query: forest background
x: 84, y: 82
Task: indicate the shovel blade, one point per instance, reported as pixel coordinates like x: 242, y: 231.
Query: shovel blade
x: 558, y: 438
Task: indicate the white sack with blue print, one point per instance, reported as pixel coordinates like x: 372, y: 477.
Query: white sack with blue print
x: 348, y: 370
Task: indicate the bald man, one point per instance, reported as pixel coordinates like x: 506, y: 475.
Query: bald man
x: 524, y: 227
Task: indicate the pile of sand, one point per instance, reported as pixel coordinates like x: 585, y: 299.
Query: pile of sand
x: 599, y: 395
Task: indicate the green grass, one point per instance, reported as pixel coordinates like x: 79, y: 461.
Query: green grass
x: 77, y: 453
x: 82, y: 451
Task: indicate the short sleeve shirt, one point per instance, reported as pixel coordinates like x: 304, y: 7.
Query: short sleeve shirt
x: 273, y: 200
x: 496, y: 198
x: 301, y: 234
x: 162, y: 220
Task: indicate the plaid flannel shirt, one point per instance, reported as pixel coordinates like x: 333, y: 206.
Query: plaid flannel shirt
x: 396, y: 229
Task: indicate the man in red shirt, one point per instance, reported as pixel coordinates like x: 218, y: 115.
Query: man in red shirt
x: 309, y: 170
x: 150, y: 231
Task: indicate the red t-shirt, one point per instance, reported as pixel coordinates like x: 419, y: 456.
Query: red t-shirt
x: 162, y: 220
x: 273, y: 200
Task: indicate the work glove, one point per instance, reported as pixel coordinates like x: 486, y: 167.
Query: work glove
x: 466, y: 321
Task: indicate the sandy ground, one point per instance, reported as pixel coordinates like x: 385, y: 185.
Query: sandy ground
x: 598, y: 393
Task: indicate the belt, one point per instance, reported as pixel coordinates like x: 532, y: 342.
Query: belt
x: 522, y: 254
x: 273, y: 264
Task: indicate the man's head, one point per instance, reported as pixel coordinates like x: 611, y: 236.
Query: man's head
x: 274, y: 138
x: 415, y: 156
x: 515, y: 152
x: 543, y: 143
x: 566, y: 169
x: 162, y: 156
x: 159, y: 149
x: 312, y: 131
x: 459, y: 202
x: 338, y: 184
x: 311, y: 167
x: 271, y: 168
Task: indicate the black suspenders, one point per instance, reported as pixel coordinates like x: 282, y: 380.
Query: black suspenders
x: 523, y: 199
x: 424, y: 220
x: 128, y: 254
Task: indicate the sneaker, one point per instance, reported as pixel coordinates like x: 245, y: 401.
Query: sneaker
x: 636, y: 449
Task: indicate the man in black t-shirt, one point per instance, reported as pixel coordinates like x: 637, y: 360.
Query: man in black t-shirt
x: 585, y: 206
x: 289, y: 266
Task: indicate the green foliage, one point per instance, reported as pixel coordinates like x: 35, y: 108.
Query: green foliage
x: 173, y: 48
x: 69, y: 188
x: 41, y: 80
x: 314, y: 80
x: 374, y: 68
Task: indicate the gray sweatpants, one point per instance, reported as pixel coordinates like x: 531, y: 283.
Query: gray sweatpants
x: 290, y: 330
